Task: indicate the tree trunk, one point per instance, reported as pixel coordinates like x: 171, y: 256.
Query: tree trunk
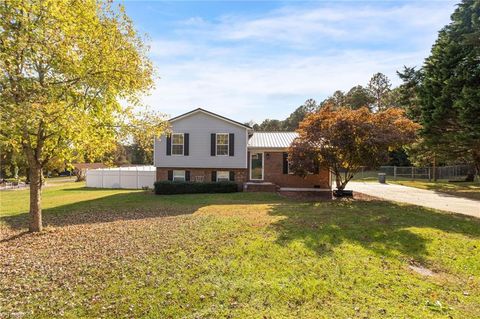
x: 338, y: 181
x: 476, y: 160
x: 36, y: 181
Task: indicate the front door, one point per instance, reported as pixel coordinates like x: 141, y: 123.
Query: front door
x: 256, y: 166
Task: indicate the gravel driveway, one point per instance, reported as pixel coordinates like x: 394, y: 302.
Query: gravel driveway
x: 420, y: 197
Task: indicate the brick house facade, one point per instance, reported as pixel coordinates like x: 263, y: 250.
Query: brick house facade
x: 204, y: 146
x: 275, y: 173
x: 240, y: 175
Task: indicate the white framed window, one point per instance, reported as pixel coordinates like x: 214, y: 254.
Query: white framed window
x: 178, y: 176
x: 177, y: 143
x: 222, y: 144
x: 223, y: 176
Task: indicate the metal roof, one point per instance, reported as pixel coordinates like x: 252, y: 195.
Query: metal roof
x: 271, y: 139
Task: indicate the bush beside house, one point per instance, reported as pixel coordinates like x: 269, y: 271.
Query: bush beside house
x: 169, y: 187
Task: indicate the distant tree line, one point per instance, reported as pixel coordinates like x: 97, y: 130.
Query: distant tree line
x: 443, y: 96
x: 377, y: 95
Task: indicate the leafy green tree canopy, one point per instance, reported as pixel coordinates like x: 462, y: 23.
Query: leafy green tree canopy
x: 450, y: 91
x: 379, y: 87
x: 65, y: 67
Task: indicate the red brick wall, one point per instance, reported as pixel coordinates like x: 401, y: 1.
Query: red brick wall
x: 240, y: 173
x: 273, y: 172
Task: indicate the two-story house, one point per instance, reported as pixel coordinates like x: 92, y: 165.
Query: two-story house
x: 204, y: 146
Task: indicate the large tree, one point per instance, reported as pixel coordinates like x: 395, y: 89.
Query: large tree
x: 379, y: 87
x: 346, y: 140
x: 409, y: 92
x: 336, y: 100
x: 358, y: 97
x: 293, y: 120
x: 65, y: 66
x: 269, y: 125
x: 450, y: 93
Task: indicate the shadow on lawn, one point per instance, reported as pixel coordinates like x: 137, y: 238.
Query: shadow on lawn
x: 124, y: 206
x: 379, y: 226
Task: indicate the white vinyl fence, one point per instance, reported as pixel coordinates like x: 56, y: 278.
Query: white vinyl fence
x: 454, y: 172
x: 135, y: 177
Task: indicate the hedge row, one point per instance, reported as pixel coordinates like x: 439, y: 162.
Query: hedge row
x: 169, y: 187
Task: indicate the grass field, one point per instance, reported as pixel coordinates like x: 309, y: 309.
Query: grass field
x: 120, y: 253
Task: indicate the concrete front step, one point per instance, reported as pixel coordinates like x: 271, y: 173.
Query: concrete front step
x: 260, y: 187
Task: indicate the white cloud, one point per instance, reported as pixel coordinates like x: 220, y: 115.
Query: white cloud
x: 339, y: 22
x: 256, y: 68
x: 254, y: 90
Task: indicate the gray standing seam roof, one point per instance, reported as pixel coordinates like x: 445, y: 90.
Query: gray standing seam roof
x: 271, y: 139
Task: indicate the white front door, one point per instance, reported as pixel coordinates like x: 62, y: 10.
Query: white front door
x: 256, y: 166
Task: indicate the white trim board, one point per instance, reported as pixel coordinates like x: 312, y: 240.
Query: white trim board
x: 263, y: 166
x: 297, y: 189
x: 176, y: 118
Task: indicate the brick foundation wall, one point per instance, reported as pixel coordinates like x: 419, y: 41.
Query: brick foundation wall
x: 273, y: 172
x: 240, y: 173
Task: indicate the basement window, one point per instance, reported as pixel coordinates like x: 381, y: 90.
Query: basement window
x: 179, y: 176
x: 223, y: 176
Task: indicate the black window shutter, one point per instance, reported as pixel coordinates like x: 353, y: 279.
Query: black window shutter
x: 187, y: 176
x: 214, y: 176
x: 213, y: 144
x: 231, y: 144
x: 316, y: 166
x: 169, y: 144
x: 285, y: 163
x: 186, y: 143
x: 170, y: 175
x: 232, y: 176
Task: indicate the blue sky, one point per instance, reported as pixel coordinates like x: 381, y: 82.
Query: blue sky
x: 261, y: 59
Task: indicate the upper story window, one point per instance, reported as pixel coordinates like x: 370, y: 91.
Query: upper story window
x: 177, y: 143
x: 222, y: 144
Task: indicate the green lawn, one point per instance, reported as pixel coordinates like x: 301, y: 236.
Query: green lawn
x: 120, y: 253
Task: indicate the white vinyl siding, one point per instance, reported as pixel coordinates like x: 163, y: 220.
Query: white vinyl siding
x: 222, y: 144
x: 200, y: 127
x: 179, y: 176
x: 177, y: 143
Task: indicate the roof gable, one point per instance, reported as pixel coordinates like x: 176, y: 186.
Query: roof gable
x: 176, y: 118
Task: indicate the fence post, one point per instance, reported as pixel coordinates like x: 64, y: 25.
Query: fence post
x: 412, y: 173
x: 138, y: 186
x: 394, y: 172
x: 429, y: 179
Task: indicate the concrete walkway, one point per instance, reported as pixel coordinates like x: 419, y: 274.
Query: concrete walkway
x: 420, y: 197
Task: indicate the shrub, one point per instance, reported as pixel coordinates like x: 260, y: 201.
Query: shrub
x: 169, y: 187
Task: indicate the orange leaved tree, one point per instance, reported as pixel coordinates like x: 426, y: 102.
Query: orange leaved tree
x: 345, y: 140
